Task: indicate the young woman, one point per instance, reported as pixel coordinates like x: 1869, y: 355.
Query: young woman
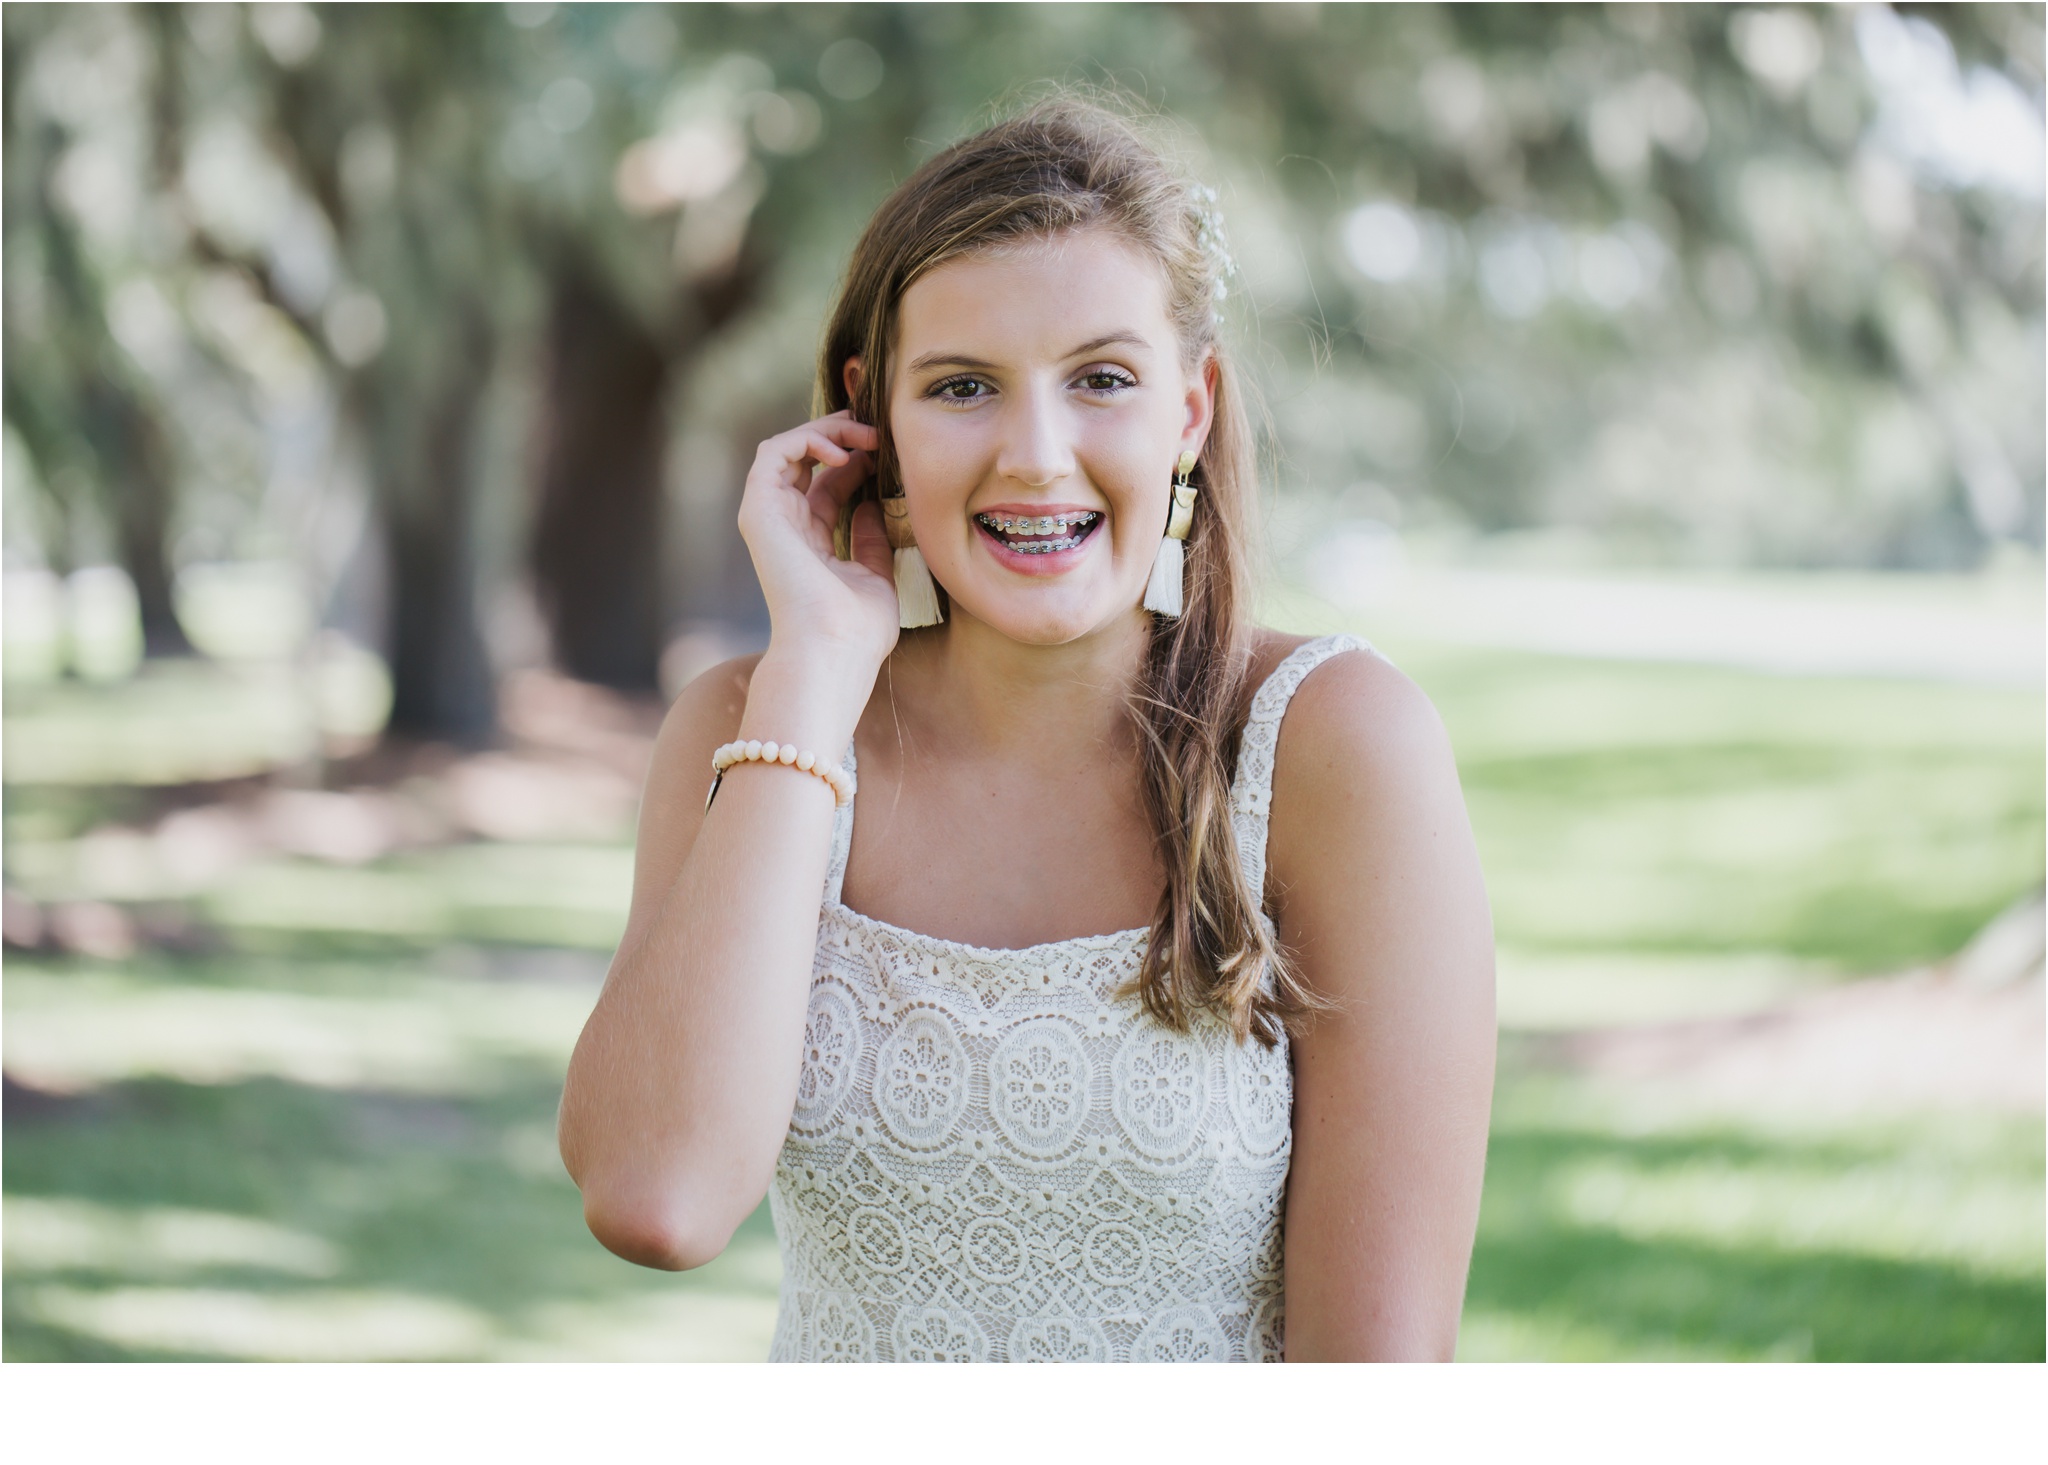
x: 1128, y: 1017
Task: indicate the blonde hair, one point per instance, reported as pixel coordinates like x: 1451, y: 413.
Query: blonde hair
x: 1060, y: 166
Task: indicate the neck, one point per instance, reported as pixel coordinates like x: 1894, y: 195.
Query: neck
x: 964, y: 690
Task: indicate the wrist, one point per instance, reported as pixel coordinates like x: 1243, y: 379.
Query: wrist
x: 826, y: 666
x: 810, y: 700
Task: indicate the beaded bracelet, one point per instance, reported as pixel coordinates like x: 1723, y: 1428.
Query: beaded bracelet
x: 838, y: 778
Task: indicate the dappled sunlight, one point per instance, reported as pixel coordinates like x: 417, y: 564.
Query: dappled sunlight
x: 1947, y: 628
x: 1894, y: 1209
x: 1562, y: 991
x: 62, y: 1234
x: 1487, y: 1336
x: 176, y: 725
x: 180, y: 722
x: 687, y: 1327
x: 323, y: 1326
x: 68, y: 1031
x: 1612, y: 1228
x: 1923, y: 1042
x: 723, y: 1312
x: 553, y: 895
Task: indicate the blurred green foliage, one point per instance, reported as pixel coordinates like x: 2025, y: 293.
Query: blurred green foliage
x: 342, y: 285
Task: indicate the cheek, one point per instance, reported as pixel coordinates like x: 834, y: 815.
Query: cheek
x: 927, y: 459
x: 1126, y: 468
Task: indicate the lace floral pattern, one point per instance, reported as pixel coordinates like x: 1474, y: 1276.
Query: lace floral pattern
x: 1261, y: 1093
x: 938, y: 1335
x: 1038, y: 1087
x: 831, y: 1046
x: 1057, y: 1340
x: 995, y: 1158
x: 1161, y: 1092
x: 921, y: 1089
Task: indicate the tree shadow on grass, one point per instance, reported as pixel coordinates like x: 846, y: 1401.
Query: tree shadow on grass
x: 457, y: 1199
x: 453, y: 1200
x: 1682, y: 1297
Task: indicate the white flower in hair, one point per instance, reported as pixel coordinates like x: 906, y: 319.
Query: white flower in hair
x: 1210, y: 237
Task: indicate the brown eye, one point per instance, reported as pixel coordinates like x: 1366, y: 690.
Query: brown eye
x: 1106, y: 381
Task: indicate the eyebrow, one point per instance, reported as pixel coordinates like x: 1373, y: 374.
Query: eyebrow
x: 944, y: 358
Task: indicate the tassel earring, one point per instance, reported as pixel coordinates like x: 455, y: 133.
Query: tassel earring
x: 1163, y: 590
x: 917, y: 598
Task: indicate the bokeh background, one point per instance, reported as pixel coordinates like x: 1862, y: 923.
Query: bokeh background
x: 1661, y: 387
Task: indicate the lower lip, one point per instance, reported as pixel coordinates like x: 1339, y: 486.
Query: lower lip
x: 1057, y: 562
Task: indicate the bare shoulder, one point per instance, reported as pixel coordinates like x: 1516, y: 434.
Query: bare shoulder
x: 1355, y: 705
x: 1358, y: 713
x: 1268, y: 648
x: 1369, y: 828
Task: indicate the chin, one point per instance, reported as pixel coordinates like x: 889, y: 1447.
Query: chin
x: 1046, y: 620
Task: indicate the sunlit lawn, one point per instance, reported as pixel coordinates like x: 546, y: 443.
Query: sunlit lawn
x: 1606, y: 1233
x: 356, y: 1162
x: 332, y: 1138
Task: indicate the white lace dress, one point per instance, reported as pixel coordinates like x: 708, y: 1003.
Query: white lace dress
x: 994, y: 1158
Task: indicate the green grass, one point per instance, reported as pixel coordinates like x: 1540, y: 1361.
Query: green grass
x: 331, y: 1136
x: 422, y: 1215
x: 394, y: 1193
x: 1604, y: 1237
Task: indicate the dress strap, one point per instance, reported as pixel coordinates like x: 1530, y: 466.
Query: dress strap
x: 1251, y: 792
x: 842, y: 838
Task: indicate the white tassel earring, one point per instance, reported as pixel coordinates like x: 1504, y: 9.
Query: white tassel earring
x: 1163, y: 591
x: 917, y: 598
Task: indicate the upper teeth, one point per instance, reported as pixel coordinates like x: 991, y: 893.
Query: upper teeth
x: 1056, y: 525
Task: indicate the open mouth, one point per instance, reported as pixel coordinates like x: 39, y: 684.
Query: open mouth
x: 1044, y: 534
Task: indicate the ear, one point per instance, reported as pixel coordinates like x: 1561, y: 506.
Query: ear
x: 1200, y: 404
x: 850, y: 374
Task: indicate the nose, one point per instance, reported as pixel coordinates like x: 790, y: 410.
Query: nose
x: 1037, y: 449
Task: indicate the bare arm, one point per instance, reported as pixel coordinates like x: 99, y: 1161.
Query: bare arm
x: 1383, y: 905
x: 680, y: 1088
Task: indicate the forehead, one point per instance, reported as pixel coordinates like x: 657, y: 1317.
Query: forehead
x: 1036, y: 297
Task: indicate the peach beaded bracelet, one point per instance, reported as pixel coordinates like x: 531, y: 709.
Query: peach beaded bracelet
x: 838, y: 778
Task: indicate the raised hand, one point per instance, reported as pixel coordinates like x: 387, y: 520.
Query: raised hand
x: 795, y: 490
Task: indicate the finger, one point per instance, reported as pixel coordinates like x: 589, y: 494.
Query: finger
x: 831, y: 487
x: 828, y: 440
x: 846, y: 429
x: 790, y: 454
x: 819, y: 447
x: 789, y: 466
x: 871, y: 541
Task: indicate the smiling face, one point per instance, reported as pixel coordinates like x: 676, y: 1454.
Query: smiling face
x: 1043, y: 382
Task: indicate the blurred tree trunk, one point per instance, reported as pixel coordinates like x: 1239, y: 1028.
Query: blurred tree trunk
x: 134, y: 449
x: 421, y: 410
x: 423, y: 245
x: 597, y: 532
x: 597, y: 539
x: 88, y: 409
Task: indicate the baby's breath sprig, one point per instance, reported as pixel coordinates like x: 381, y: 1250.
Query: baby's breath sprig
x: 1209, y: 235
